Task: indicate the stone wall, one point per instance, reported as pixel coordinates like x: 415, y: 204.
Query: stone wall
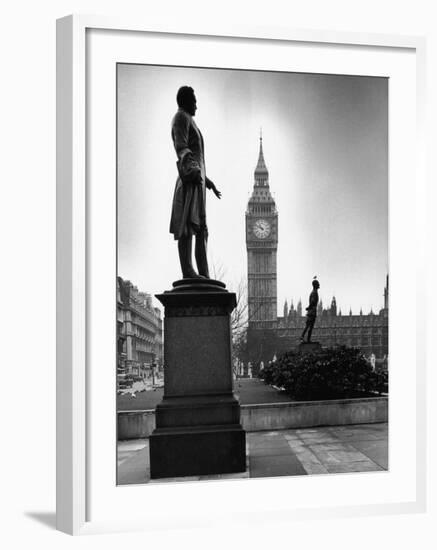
x: 277, y: 416
x: 135, y: 424
x: 306, y: 414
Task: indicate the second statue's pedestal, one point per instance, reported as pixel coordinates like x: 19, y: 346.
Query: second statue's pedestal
x: 198, y: 430
x: 309, y: 347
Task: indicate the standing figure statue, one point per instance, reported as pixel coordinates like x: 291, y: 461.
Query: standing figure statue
x: 188, y: 216
x: 311, y: 311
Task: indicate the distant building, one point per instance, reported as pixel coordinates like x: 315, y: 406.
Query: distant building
x: 268, y: 334
x: 139, y: 331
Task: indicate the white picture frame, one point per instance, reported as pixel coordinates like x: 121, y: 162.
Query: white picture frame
x: 76, y: 240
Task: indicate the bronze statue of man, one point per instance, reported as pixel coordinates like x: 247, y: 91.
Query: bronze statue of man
x: 188, y: 216
x: 311, y: 311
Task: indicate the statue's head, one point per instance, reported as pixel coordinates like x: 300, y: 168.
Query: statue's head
x: 316, y: 284
x: 186, y: 99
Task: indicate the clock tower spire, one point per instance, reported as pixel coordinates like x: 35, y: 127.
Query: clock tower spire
x: 261, y: 245
x: 261, y: 173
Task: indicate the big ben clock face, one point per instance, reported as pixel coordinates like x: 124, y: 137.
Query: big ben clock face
x: 262, y: 229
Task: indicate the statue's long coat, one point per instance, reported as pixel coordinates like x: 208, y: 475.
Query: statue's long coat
x: 312, y: 308
x: 188, y: 213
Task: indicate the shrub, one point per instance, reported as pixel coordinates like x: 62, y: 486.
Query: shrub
x: 331, y: 373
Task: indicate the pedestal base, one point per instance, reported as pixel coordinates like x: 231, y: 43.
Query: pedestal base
x: 309, y: 347
x: 204, y: 450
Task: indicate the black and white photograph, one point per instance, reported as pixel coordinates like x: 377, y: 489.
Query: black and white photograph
x: 219, y: 250
x: 252, y: 274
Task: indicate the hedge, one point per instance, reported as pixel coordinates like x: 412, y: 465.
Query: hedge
x: 332, y: 373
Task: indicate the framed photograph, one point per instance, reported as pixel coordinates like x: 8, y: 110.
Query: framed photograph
x: 240, y: 319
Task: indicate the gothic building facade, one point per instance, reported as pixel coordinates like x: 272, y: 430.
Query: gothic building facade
x: 269, y: 334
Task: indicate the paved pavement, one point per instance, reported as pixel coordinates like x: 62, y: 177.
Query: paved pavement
x: 326, y: 450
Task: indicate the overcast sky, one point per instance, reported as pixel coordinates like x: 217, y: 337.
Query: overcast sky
x: 325, y: 141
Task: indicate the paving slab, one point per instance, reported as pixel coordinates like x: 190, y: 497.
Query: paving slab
x: 377, y: 451
x: 337, y: 454
x: 367, y: 432
x: 268, y: 443
x: 362, y: 466
x: 307, y: 458
x: 136, y: 469
x: 272, y: 466
x: 292, y: 437
x: 277, y: 450
x: 315, y: 439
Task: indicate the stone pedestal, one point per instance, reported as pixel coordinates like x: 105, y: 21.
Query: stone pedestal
x: 198, y: 430
x: 309, y: 347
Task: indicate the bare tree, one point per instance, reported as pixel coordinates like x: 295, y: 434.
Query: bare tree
x: 218, y: 270
x: 240, y: 315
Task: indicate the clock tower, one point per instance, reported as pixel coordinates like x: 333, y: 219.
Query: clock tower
x: 262, y: 246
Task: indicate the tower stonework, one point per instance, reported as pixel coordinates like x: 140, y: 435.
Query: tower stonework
x: 262, y: 246
x: 386, y: 294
